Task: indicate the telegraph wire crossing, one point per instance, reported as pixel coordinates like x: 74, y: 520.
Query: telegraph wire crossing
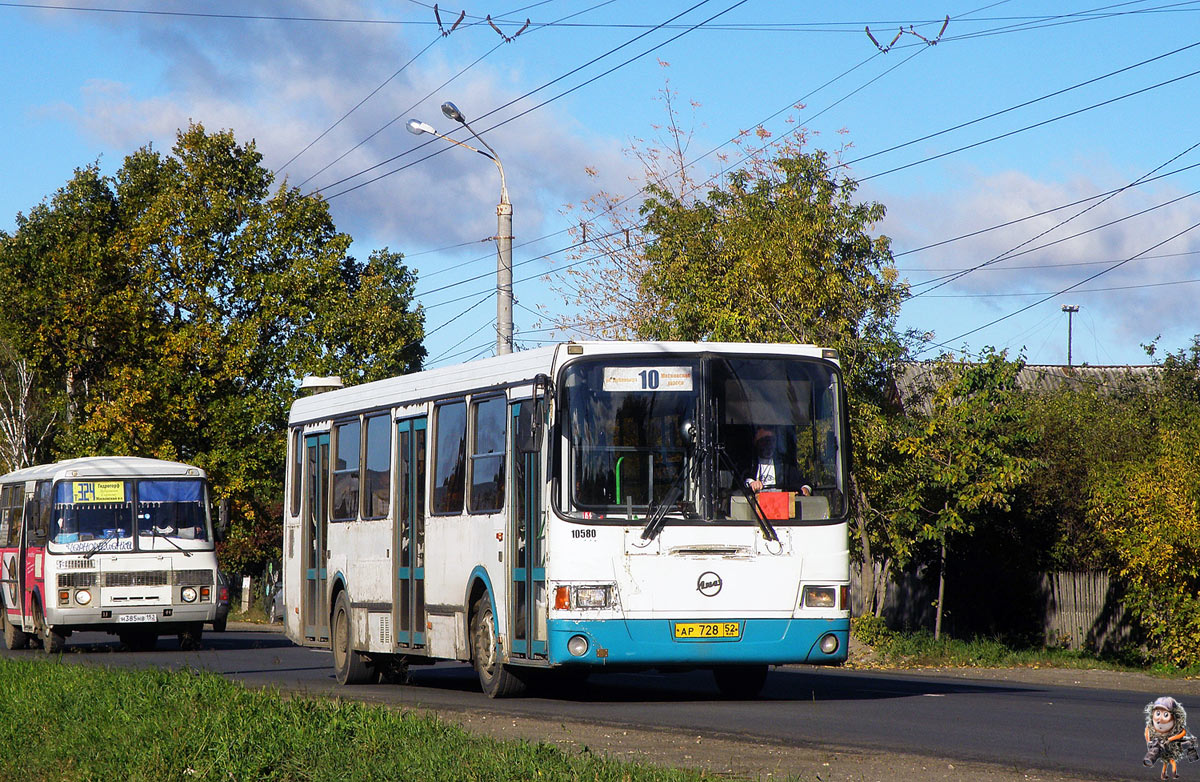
x: 865, y: 157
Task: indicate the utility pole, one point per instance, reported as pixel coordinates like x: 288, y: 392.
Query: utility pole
x: 504, y: 285
x: 1070, y: 309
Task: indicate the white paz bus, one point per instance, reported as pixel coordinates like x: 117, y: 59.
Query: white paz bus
x: 112, y: 543
x: 576, y: 508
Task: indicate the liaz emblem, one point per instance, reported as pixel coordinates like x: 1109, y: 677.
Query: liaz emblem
x: 709, y: 584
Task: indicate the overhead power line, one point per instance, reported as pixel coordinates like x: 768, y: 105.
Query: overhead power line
x: 539, y: 89
x: 1013, y: 252
x: 1069, y: 288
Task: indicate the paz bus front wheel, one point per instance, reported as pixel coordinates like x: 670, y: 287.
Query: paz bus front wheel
x: 52, y: 640
x: 496, y: 679
x: 349, y: 665
x: 14, y: 637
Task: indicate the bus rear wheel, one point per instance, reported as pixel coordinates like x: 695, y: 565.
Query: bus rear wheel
x: 740, y: 681
x: 349, y: 665
x: 14, y: 637
x: 496, y: 679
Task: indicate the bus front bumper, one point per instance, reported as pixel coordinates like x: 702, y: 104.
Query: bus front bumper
x: 167, y: 619
x: 654, y: 642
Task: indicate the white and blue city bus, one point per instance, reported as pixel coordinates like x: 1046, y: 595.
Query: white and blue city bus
x: 576, y: 508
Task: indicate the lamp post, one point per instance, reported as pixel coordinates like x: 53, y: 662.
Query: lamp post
x: 504, y: 288
x: 1070, y: 309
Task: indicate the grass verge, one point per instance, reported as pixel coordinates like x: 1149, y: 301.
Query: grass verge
x: 74, y: 722
x: 919, y: 649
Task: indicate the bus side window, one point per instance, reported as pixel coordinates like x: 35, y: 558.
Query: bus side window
x: 376, y: 480
x: 4, y: 515
x: 297, y: 464
x: 16, y: 497
x: 449, y: 457
x: 487, y: 456
x: 37, y: 515
x: 345, y: 471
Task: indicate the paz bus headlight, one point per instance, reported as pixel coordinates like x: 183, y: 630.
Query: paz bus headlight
x: 83, y: 597
x: 188, y: 594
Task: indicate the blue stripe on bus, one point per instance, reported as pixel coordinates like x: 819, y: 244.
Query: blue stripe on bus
x: 652, y: 642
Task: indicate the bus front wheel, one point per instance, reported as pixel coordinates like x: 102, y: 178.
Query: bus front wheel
x: 52, y: 640
x: 349, y: 665
x: 740, y: 681
x: 496, y: 679
x: 14, y: 637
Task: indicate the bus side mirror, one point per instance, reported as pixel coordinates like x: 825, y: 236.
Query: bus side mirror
x: 529, y: 426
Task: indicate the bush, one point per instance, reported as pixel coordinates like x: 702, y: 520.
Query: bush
x: 871, y: 630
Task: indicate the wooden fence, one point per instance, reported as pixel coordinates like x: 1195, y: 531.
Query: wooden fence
x: 1084, y: 611
x: 1075, y: 610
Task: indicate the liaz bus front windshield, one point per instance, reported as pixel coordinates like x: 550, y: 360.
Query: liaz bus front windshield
x: 715, y: 438
x: 125, y: 515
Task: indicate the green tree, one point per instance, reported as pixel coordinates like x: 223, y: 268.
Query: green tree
x: 196, y: 298
x: 66, y: 294
x: 1085, y: 430
x: 1147, y: 511
x: 967, y: 455
x: 780, y: 251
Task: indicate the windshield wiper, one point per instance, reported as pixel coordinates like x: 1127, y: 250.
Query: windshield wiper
x: 154, y: 533
x: 768, y: 530
x: 100, y: 545
x: 658, y: 513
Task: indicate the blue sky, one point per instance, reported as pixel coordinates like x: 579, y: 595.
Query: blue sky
x: 1021, y: 109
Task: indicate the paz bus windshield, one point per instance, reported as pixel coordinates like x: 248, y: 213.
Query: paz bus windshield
x: 110, y: 515
x: 696, y: 432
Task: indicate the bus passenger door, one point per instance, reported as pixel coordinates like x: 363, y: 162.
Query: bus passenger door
x: 315, y: 520
x: 526, y: 531
x: 409, y: 588
x: 11, y: 502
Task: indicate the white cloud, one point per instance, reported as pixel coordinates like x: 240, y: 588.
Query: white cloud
x: 284, y: 83
x: 1148, y: 298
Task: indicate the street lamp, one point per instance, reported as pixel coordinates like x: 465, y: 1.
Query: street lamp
x: 504, y: 289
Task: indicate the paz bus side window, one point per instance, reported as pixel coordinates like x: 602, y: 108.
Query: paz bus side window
x: 4, y: 516
x: 16, y: 496
x: 37, y: 513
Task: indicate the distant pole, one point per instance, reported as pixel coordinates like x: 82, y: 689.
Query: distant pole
x: 1070, y: 309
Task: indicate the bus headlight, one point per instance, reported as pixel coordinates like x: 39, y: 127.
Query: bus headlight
x: 587, y: 597
x: 593, y: 596
x: 83, y: 596
x: 820, y: 597
x: 188, y: 594
x: 829, y: 643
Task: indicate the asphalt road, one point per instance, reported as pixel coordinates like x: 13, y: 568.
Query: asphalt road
x: 1081, y: 731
